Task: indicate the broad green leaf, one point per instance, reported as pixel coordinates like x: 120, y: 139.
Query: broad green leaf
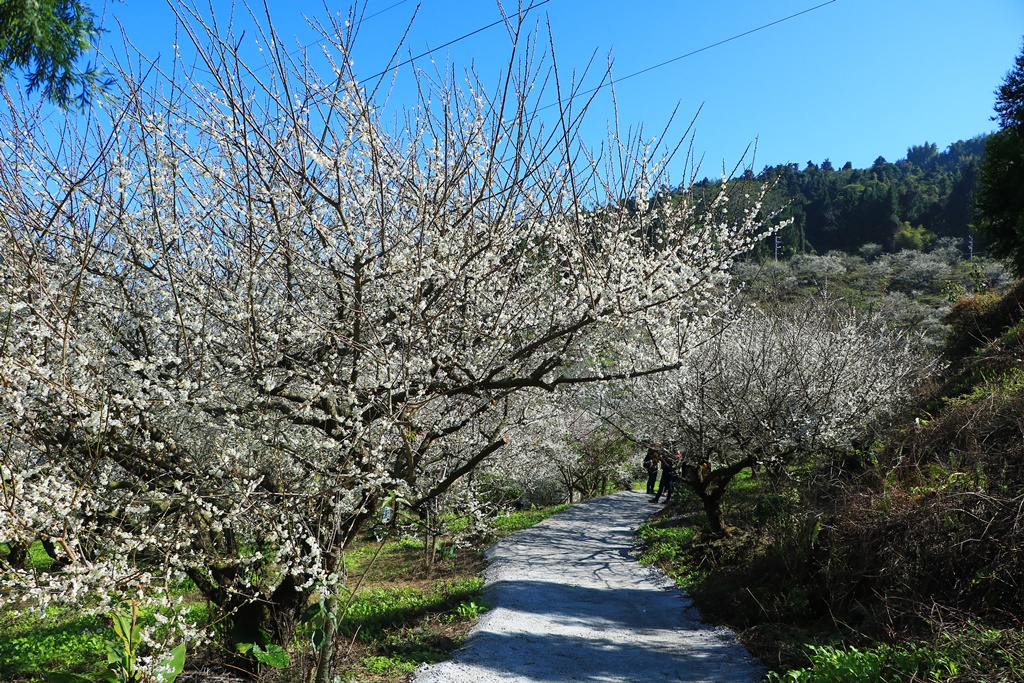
x: 313, y: 611
x: 169, y: 668
x: 273, y: 655
x: 114, y: 651
x: 122, y: 627
x: 318, y: 638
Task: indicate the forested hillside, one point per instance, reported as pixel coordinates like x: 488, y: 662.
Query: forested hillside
x: 905, y: 204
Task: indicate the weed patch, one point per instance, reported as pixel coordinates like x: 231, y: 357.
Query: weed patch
x: 523, y: 519
x: 32, y: 645
x: 407, y: 611
x: 372, y: 613
x: 969, y: 656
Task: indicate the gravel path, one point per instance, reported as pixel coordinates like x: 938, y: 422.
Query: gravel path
x: 570, y: 603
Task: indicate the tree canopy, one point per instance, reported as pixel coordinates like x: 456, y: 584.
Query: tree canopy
x: 929, y: 193
x: 46, y: 39
x: 1010, y: 96
x: 248, y: 313
x: 1000, y: 204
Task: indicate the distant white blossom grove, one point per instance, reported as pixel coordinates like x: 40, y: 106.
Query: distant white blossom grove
x: 776, y: 386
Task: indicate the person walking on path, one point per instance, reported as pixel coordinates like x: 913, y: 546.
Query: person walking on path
x: 651, y: 461
x: 569, y: 602
x: 668, y: 476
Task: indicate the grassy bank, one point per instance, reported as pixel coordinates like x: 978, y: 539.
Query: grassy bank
x: 903, y: 561
x: 404, y: 606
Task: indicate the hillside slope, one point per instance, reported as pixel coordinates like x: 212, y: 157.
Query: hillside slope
x: 900, y: 561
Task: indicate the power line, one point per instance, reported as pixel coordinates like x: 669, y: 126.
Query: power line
x: 723, y: 42
x: 618, y: 80
x: 591, y: 90
x: 698, y: 51
x: 362, y: 19
x: 382, y: 11
x: 452, y: 42
x: 318, y: 41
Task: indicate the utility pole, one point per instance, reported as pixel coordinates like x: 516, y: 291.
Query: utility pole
x: 776, y: 247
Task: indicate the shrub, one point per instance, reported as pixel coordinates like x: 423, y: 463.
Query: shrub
x: 977, y: 320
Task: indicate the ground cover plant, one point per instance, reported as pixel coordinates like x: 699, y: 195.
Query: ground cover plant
x: 773, y: 579
x: 403, y: 607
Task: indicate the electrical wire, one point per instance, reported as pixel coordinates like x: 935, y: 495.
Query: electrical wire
x: 323, y: 40
x: 318, y: 41
x: 362, y: 19
x: 456, y: 40
x: 699, y: 50
x: 544, y: 2
x: 617, y: 80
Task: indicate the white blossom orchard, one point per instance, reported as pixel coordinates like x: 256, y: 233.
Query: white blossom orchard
x: 776, y: 386
x: 242, y: 309
x: 559, y: 450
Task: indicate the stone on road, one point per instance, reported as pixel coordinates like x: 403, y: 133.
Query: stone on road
x: 569, y: 602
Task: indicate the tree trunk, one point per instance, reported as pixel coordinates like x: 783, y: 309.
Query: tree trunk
x: 323, y: 666
x: 713, y: 509
x: 710, y: 485
x: 277, y: 615
x: 18, y: 556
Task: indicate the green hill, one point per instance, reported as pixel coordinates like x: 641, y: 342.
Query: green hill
x: 906, y: 204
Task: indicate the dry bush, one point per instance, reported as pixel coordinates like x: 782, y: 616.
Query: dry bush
x: 976, y: 321
x: 945, y: 529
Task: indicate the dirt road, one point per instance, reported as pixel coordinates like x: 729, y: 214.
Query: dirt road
x: 570, y: 603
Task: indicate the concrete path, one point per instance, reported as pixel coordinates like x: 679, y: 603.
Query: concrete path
x: 570, y: 603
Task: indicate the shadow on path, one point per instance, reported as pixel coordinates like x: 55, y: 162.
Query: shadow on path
x: 570, y: 603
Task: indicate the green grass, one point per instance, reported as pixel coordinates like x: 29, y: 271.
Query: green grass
x: 963, y: 656
x: 514, y: 521
x: 31, y: 645
x: 663, y: 544
x: 395, y: 664
x: 37, y: 555
x: 408, y: 611
x: 60, y: 641
x: 669, y: 547
x: 372, y: 613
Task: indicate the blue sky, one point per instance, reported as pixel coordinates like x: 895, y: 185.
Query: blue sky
x: 849, y: 81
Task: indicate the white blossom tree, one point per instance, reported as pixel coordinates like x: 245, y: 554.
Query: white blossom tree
x: 559, y: 446
x: 244, y: 309
x: 776, y: 385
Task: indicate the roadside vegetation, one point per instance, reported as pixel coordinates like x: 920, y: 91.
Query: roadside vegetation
x: 898, y: 555
x: 404, y: 604
x: 899, y: 559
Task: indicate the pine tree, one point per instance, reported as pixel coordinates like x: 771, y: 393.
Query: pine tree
x: 1000, y: 201
x: 1010, y: 97
x: 46, y: 39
